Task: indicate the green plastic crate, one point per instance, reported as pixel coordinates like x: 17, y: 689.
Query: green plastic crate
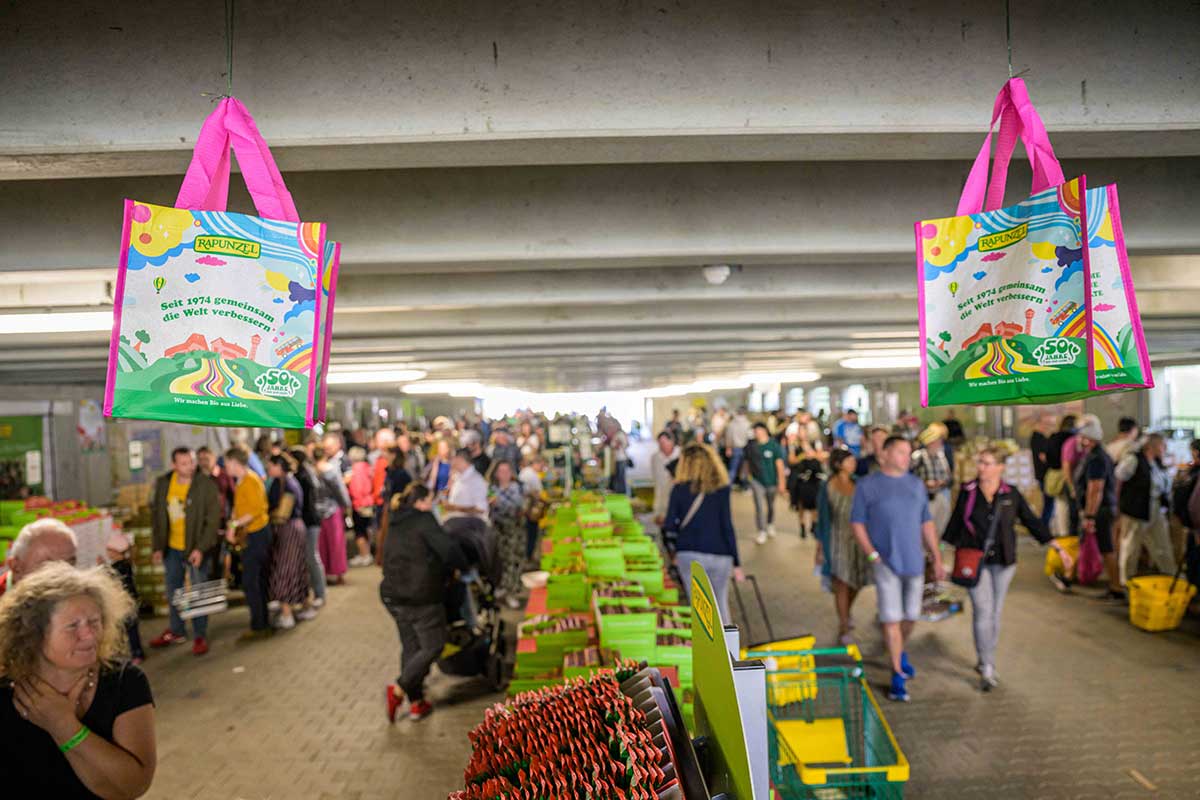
x: 600, y: 532
x: 518, y: 685
x: 638, y: 547
x: 628, y: 602
x: 22, y: 518
x: 669, y: 597
x: 604, y: 562
x: 630, y: 528
x: 8, y: 508
x: 635, y: 649
x: 623, y: 627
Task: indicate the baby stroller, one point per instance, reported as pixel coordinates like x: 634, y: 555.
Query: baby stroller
x: 475, y: 638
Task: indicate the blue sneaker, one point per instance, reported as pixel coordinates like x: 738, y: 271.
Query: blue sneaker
x: 906, y: 667
x: 898, y: 691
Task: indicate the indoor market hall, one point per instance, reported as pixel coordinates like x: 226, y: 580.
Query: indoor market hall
x: 600, y: 400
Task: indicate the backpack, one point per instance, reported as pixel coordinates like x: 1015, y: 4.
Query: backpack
x: 1181, y: 494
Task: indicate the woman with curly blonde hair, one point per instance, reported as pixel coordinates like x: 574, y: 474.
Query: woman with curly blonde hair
x: 699, y: 525
x: 76, y: 720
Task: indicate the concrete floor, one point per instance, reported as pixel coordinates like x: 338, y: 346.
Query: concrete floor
x: 1085, y: 699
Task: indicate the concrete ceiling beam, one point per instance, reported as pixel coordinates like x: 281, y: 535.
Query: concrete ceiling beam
x: 532, y: 82
x: 828, y: 212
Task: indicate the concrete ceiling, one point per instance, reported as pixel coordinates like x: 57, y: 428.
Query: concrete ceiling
x: 527, y: 193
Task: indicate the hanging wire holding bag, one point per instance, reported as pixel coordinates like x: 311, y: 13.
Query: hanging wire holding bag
x: 213, y: 96
x: 1008, y: 40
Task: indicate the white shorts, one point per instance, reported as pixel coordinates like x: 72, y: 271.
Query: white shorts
x: 899, y: 596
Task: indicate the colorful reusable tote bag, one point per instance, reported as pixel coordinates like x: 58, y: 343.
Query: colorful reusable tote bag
x: 333, y: 253
x: 1028, y: 304
x: 1117, y: 345
x: 218, y: 316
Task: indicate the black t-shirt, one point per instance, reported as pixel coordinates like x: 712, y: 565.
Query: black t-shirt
x: 1097, y: 466
x: 481, y: 463
x: 1054, y: 449
x: 32, y: 758
x: 1039, y: 443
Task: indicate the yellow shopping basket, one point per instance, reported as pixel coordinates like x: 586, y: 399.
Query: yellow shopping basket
x: 1158, y: 602
x: 1053, y: 564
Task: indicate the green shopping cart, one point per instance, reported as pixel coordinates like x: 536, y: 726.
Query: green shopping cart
x: 828, y: 738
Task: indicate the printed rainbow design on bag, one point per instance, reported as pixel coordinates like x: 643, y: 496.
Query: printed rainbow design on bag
x: 1000, y: 358
x: 214, y: 377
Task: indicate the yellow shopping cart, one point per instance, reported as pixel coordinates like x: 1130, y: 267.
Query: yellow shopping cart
x: 828, y: 737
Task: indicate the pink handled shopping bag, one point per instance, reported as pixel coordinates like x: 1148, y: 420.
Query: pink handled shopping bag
x: 222, y: 318
x: 1032, y: 303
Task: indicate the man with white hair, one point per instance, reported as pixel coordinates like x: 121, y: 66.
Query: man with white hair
x: 468, y: 495
x: 38, y: 543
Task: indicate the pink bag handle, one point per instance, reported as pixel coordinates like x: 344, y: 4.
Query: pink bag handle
x: 206, y: 185
x: 1018, y: 119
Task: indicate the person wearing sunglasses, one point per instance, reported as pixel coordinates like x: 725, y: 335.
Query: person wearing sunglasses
x: 985, y: 518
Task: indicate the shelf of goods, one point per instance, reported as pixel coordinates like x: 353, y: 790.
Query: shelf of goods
x: 151, y: 578
x: 607, y: 600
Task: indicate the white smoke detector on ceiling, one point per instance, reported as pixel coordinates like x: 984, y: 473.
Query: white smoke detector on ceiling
x: 716, y: 274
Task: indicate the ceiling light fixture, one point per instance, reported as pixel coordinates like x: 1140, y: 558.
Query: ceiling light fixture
x: 782, y: 377
x: 366, y: 373
x: 452, y: 388
x: 909, y: 361
x: 66, y: 322
x: 717, y: 274
x: 703, y: 386
x: 909, y: 334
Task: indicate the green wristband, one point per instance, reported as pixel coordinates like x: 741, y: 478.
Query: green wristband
x: 75, y: 741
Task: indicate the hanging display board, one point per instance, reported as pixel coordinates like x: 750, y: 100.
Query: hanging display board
x: 21, y: 457
x: 718, y: 713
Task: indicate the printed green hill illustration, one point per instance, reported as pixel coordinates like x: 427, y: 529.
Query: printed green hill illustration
x: 128, y: 358
x: 1127, y: 347
x: 204, y: 373
x: 991, y: 357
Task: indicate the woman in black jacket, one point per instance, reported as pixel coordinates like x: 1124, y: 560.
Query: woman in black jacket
x: 984, y: 519
x: 418, y: 560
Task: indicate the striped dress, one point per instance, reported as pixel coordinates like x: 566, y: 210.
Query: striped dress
x: 847, y: 561
x: 289, y: 565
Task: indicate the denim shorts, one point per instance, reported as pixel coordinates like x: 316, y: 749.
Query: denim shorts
x: 899, y: 596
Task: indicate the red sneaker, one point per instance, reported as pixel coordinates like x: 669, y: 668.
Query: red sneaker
x: 419, y: 710
x: 200, y: 646
x: 395, y: 699
x: 167, y: 638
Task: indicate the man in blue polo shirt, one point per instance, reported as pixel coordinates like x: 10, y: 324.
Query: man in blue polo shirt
x: 890, y: 518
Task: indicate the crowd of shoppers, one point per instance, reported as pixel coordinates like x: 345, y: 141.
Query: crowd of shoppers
x: 1117, y: 496
x: 879, y: 499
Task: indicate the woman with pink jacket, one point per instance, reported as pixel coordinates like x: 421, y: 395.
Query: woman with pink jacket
x: 362, y: 503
